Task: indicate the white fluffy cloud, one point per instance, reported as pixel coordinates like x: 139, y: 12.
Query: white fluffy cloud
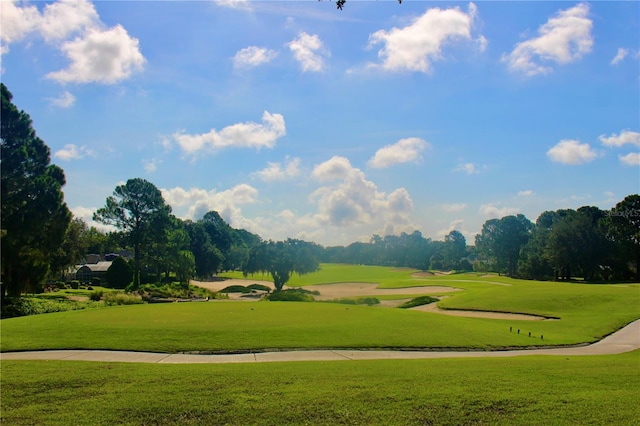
x: 454, y: 208
x: 253, y: 56
x: 277, y: 171
x: 73, y: 152
x: 96, y: 54
x: 631, y: 159
x: 526, y: 193
x: 564, y: 38
x: 468, y: 168
x: 353, y: 200
x: 65, y: 100
x: 620, y: 55
x: 86, y: 214
x: 491, y: 211
x: 309, y: 52
x: 416, y: 46
x: 240, y: 135
x: 625, y: 137
x: 102, y: 56
x: 404, y: 151
x: 195, y: 202
x: 572, y: 152
x: 56, y: 22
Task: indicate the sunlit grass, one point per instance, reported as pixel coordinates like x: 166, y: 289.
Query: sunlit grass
x: 506, y: 391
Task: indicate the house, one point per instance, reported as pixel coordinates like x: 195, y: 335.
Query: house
x: 85, y: 273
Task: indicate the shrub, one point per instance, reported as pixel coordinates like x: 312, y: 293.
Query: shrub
x: 96, y: 295
x: 75, y: 284
x: 235, y: 289
x: 61, y: 285
x: 418, y: 301
x: 259, y: 287
x: 117, y: 298
x: 119, y: 274
x: 356, y: 301
x: 95, y: 281
x: 292, y: 295
x: 33, y: 306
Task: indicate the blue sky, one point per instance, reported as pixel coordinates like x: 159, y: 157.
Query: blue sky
x: 294, y: 119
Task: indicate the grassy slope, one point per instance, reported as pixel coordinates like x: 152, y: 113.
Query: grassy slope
x: 588, y: 313
x: 524, y: 391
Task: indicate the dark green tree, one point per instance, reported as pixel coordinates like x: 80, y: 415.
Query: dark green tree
x: 281, y: 259
x: 119, y: 273
x: 72, y: 250
x: 502, y: 240
x: 455, y: 249
x: 34, y: 215
x: 139, y: 211
x: 623, y: 223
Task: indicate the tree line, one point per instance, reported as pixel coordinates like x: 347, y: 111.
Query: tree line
x: 41, y: 240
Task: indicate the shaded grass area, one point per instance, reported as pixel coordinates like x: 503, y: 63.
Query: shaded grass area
x: 524, y: 391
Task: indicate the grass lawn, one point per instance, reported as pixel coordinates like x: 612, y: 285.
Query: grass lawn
x: 525, y: 391
x: 588, y: 312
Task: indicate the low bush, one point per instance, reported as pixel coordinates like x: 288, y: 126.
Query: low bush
x: 235, y: 289
x: 96, y: 295
x: 95, y: 281
x: 418, y: 301
x: 259, y: 287
x: 75, y: 284
x: 61, y: 285
x: 117, y: 298
x: 356, y: 301
x: 292, y: 295
x: 34, y: 306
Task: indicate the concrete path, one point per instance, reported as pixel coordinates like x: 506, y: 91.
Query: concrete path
x: 625, y: 340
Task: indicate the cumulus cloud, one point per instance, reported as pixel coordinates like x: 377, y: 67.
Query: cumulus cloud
x: 527, y: 193
x: 240, y: 135
x: 235, y: 4
x: 491, y: 211
x: 86, y: 214
x: 416, y: 46
x: 404, y: 151
x: 617, y: 140
x: 65, y: 100
x: 620, y: 55
x: 454, y: 208
x: 309, y: 52
x: 572, y: 152
x: 96, y: 54
x: 468, y: 168
x: 73, y: 152
x: 277, y: 171
x: 253, y: 56
x: 353, y: 200
x: 564, y: 38
x: 56, y: 22
x: 151, y: 165
x: 195, y: 202
x: 101, y: 56
x: 631, y: 159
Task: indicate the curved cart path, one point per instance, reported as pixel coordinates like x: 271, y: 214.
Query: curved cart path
x: 624, y: 340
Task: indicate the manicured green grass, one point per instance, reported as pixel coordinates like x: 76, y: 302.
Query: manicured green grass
x: 588, y: 312
x: 601, y: 390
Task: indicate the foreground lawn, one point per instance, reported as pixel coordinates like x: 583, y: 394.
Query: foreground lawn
x: 524, y: 391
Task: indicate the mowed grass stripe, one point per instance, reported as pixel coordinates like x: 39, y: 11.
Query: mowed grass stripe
x: 523, y: 391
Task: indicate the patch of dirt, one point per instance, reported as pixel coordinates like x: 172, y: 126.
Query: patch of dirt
x: 350, y: 290
x: 427, y: 274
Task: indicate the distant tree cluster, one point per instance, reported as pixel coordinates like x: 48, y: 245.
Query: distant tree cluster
x: 588, y: 243
x: 405, y: 250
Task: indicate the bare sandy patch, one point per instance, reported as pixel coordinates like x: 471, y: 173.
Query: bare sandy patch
x: 478, y: 314
x: 347, y: 290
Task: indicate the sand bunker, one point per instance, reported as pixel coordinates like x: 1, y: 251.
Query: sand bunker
x: 478, y: 314
x: 352, y: 290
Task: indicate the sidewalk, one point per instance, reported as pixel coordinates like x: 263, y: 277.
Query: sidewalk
x: 624, y: 340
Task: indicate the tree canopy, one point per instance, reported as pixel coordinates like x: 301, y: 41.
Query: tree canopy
x: 139, y: 211
x: 34, y: 215
x: 281, y: 259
